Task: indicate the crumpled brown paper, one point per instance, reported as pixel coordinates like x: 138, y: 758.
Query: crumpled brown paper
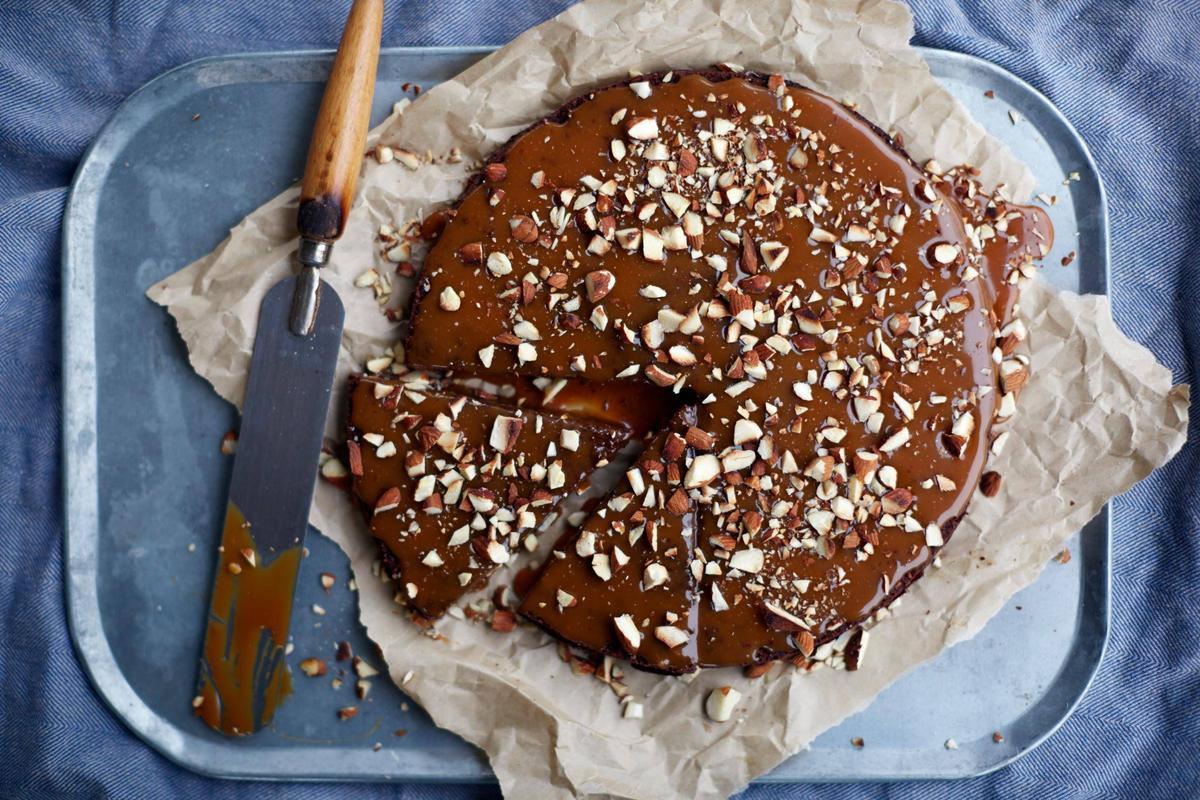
x: 1098, y: 414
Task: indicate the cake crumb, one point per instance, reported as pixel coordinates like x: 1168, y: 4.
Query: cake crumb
x: 858, y: 742
x: 951, y: 744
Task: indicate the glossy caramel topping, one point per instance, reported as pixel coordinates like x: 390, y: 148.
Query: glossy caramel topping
x: 762, y: 251
x: 624, y: 585
x: 243, y: 677
x: 455, y: 485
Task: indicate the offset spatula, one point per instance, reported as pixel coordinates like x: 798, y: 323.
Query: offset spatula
x: 242, y: 672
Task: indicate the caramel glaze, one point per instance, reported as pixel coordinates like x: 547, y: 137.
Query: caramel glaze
x: 631, y: 559
x: 831, y: 308
x: 243, y: 677
x: 467, y: 482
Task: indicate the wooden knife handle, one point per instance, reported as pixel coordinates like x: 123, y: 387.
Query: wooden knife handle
x: 336, y: 152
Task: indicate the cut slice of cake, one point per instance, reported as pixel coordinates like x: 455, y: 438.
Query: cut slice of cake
x: 624, y: 585
x: 454, y: 485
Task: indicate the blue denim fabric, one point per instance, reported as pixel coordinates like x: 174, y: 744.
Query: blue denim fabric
x: 1126, y: 73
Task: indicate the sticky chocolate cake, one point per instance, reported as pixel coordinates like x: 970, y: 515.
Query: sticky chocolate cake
x: 833, y: 321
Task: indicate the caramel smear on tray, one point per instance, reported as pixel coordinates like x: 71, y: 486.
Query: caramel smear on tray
x: 243, y: 677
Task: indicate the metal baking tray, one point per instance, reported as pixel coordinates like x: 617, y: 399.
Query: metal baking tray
x: 181, y: 162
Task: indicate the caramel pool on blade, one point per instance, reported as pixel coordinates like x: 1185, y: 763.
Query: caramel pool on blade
x: 243, y: 677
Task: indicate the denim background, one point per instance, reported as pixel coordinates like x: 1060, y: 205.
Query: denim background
x: 1126, y: 73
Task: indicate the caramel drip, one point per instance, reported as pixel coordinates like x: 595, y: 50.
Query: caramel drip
x: 1027, y: 236
x: 243, y: 675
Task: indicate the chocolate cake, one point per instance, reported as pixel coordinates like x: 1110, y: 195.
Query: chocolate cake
x: 834, y: 322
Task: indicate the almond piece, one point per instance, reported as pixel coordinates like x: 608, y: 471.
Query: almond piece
x: 313, y: 667
x: 654, y: 575
x: 387, y: 501
x: 659, y: 376
x: 671, y: 636
x: 703, y: 470
x: 503, y: 621
x: 1013, y: 375
x: 598, y: 284
x: 944, y: 253
x: 628, y: 633
x: 699, y: 439
x: 499, y: 263
x: 505, y: 431
x: 745, y: 431
x: 524, y: 229
x: 777, y: 619
x: 895, y: 441
x: 496, y: 552
x: 471, y: 253
x: 678, y: 503
x: 897, y: 501
x: 449, y: 300
x: 774, y: 254
x: 749, y: 560
x: 720, y: 703
x: 687, y: 163
x: 653, y: 246
x: 642, y: 128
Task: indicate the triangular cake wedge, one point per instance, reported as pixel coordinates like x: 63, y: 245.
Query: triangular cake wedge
x: 624, y: 585
x: 454, y: 485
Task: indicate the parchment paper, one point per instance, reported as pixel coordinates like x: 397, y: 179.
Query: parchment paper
x: 1098, y: 414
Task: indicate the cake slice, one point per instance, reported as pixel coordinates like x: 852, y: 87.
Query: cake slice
x: 624, y: 584
x: 454, y: 485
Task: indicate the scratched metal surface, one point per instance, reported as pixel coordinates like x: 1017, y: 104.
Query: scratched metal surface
x: 145, y: 477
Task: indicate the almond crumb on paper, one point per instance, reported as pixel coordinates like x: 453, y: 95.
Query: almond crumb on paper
x: 721, y: 702
x: 1063, y: 556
